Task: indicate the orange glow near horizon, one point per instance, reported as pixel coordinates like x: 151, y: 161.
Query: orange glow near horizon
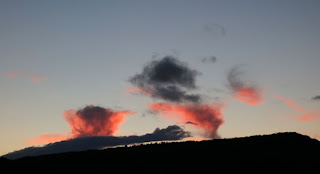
x: 47, y: 138
x: 250, y: 96
x: 206, y: 117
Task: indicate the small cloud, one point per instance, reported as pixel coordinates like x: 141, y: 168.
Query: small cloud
x: 137, y: 90
x: 12, y: 74
x: 38, y: 79
x: 215, y: 29
x: 211, y: 59
x: 192, y: 123
x: 316, y: 98
x: 32, y: 77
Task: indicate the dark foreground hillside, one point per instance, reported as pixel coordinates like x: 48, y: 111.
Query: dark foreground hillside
x: 282, y: 152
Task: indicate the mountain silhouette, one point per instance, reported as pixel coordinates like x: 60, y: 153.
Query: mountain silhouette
x: 275, y: 153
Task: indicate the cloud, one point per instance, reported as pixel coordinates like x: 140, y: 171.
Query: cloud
x: 32, y: 77
x: 168, y: 79
x: 94, y: 121
x: 12, y: 74
x: 215, y: 29
x: 37, y: 79
x: 172, y: 132
x: 249, y: 95
x: 88, y: 121
x: 138, y: 91
x: 246, y: 93
x: 206, y: 117
x: 316, y: 98
x: 172, y: 80
x: 211, y: 59
x: 306, y: 116
x: 192, y: 123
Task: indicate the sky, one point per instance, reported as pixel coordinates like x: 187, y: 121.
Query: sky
x: 255, y: 65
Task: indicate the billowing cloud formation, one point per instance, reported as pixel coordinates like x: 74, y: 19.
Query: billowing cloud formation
x: 94, y: 121
x: 168, y: 79
x: 33, y: 77
x: 89, y: 121
x: 172, y: 80
x: 242, y: 91
x: 85, y: 143
x: 308, y: 116
x: 206, y: 117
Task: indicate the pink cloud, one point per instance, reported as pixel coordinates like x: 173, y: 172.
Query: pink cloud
x: 32, y: 77
x: 89, y: 121
x: 95, y: 121
x: 306, y: 116
x: 138, y: 90
x: 38, y: 78
x: 208, y: 117
x: 12, y: 74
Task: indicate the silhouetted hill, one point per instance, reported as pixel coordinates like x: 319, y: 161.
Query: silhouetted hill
x: 281, y: 152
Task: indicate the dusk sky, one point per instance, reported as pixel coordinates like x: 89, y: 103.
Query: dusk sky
x: 255, y: 64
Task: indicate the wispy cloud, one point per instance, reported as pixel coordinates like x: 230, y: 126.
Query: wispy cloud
x: 211, y: 59
x: 32, y: 77
x: 307, y: 116
x: 215, y: 29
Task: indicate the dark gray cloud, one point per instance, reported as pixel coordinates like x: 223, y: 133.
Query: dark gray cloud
x: 192, y: 123
x: 211, y: 59
x: 235, y: 82
x: 168, y: 79
x: 316, y: 98
x: 173, y: 132
x: 168, y: 70
x: 215, y: 29
x: 175, y: 94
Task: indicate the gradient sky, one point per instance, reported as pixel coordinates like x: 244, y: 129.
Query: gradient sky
x: 61, y: 55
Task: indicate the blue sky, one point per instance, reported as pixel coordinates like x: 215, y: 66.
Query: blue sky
x: 87, y: 50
